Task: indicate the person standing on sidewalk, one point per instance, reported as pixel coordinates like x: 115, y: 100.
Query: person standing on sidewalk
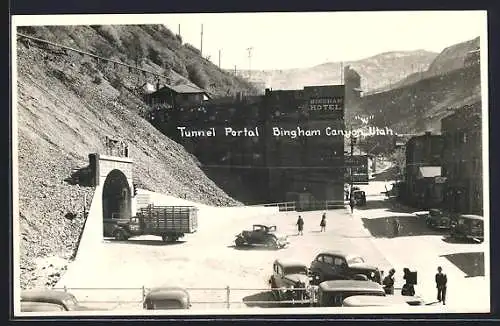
x: 388, y: 282
x: 323, y: 222
x: 300, y: 225
x: 441, y: 281
x: 408, y: 288
x: 352, y: 203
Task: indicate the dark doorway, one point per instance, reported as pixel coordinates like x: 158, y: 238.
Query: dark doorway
x: 116, y: 197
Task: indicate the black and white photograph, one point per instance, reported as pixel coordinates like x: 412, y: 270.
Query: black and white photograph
x: 250, y: 163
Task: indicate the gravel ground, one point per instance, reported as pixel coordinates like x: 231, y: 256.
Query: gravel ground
x: 208, y: 259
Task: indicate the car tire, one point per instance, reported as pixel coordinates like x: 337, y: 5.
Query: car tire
x: 239, y: 242
x: 272, y: 243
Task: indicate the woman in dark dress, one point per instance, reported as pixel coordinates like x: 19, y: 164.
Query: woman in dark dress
x: 323, y: 222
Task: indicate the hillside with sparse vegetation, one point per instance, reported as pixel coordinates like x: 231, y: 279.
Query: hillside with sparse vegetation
x: 68, y: 103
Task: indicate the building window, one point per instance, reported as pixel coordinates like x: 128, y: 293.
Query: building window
x: 464, y: 137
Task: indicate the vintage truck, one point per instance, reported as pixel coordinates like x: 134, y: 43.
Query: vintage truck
x: 168, y: 222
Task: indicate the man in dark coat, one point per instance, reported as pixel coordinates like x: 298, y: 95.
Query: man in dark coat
x: 441, y: 281
x: 389, y: 282
x: 300, y: 225
x: 323, y: 222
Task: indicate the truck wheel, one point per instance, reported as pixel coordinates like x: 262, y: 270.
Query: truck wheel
x: 164, y: 238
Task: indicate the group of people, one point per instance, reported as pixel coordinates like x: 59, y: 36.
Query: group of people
x: 408, y: 288
x: 300, y: 224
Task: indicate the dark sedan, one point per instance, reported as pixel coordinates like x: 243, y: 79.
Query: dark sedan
x: 65, y: 300
x: 166, y: 298
x: 337, y: 265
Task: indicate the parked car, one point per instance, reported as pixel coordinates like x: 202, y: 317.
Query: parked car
x: 333, y: 293
x: 64, y: 300
x: 165, y: 298
x: 376, y: 300
x: 337, y: 265
x: 437, y: 219
x: 27, y: 306
x: 288, y: 276
x: 262, y: 235
x: 468, y: 226
x: 359, y: 197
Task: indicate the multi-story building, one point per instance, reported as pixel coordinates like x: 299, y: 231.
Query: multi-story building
x: 462, y: 159
x: 424, y: 183
x: 304, y: 151
x: 286, y: 143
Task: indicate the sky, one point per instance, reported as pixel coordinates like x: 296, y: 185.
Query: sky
x: 300, y: 40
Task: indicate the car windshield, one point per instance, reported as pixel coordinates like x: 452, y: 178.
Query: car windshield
x: 476, y: 224
x: 355, y: 260
x: 296, y: 270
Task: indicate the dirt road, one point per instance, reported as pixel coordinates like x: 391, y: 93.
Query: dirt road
x: 208, y: 259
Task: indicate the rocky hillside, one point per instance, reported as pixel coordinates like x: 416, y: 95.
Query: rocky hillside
x: 376, y: 71
x: 151, y: 47
x: 66, y: 105
x: 419, y: 103
x: 420, y: 106
x: 451, y: 58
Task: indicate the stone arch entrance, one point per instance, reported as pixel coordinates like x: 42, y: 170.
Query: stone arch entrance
x: 116, y: 196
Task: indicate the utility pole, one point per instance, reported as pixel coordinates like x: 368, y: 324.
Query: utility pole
x: 249, y: 62
x: 235, y: 70
x: 350, y: 169
x: 341, y: 73
x: 201, y: 46
x: 219, y: 59
x: 179, y: 32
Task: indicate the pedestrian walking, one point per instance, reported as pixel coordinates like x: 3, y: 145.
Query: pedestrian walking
x: 300, y: 225
x: 396, y: 227
x: 352, y: 203
x: 323, y: 222
x: 441, y: 281
x: 388, y: 282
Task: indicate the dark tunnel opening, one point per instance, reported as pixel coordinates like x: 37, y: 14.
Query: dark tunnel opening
x: 116, y: 200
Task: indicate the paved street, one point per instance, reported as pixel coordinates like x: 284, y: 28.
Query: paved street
x: 207, y: 262
x: 423, y: 250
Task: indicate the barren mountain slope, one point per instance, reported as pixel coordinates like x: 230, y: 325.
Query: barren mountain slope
x: 376, y: 71
x: 451, y: 58
x: 65, y: 109
x: 151, y: 47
